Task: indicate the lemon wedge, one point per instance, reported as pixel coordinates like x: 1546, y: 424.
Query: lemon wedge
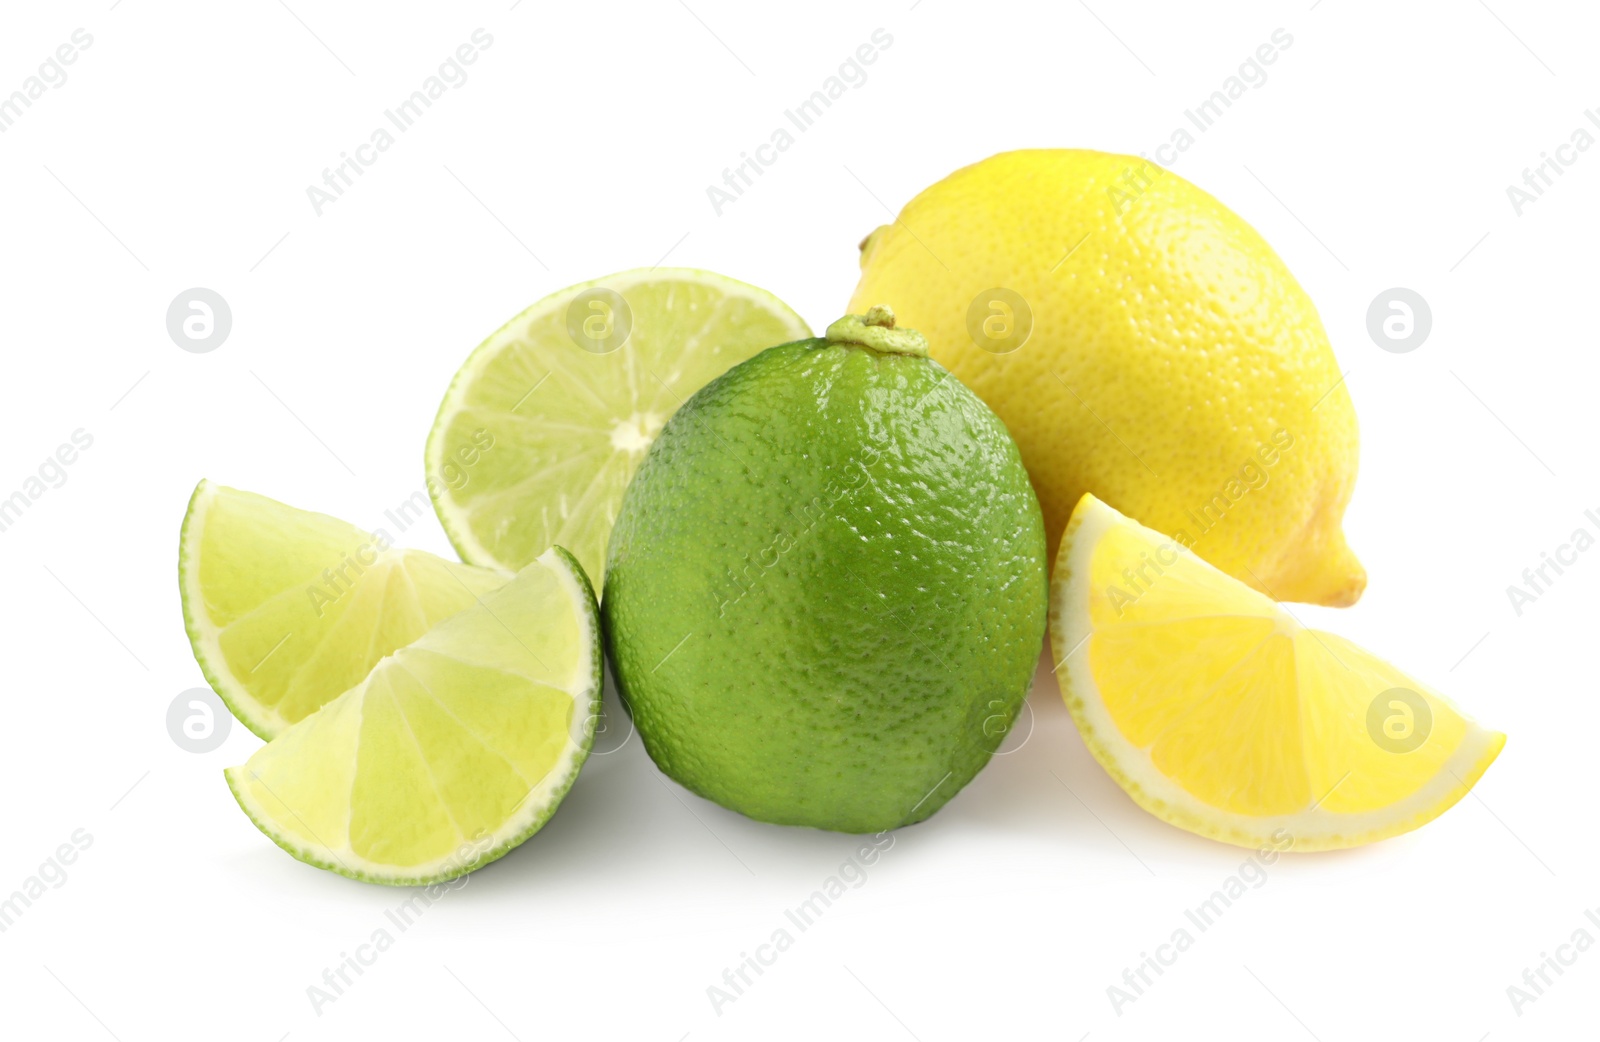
x: 1219, y: 713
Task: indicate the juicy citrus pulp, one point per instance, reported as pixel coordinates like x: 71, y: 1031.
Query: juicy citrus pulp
x: 454, y: 750
x: 287, y: 609
x: 1221, y: 714
x: 547, y: 420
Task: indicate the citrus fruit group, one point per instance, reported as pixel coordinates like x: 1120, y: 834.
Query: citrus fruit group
x: 826, y: 589
x: 1143, y: 344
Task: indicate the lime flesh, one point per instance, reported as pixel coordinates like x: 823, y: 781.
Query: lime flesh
x: 544, y: 425
x: 453, y: 751
x: 287, y: 609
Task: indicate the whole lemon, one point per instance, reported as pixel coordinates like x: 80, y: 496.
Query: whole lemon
x: 1142, y: 343
x: 825, y: 592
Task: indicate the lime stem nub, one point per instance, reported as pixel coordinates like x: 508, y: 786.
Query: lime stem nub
x: 876, y: 330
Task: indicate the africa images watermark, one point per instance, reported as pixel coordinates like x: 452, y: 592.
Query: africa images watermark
x: 851, y: 875
x: 1252, y: 875
x: 1548, y: 971
x: 51, y: 474
x: 337, y: 580
x: 52, y: 73
x: 1253, y: 475
x: 809, y: 514
x: 1537, y: 179
x: 1537, y: 580
x: 852, y: 74
x: 1251, y: 75
x: 340, y: 578
x: 340, y: 977
x: 451, y: 75
x: 52, y: 872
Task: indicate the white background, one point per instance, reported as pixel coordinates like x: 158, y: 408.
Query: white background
x: 177, y: 154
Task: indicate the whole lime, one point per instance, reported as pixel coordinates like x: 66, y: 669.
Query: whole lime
x: 825, y: 593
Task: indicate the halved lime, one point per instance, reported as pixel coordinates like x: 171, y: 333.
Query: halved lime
x: 454, y: 750
x: 543, y: 427
x: 287, y: 609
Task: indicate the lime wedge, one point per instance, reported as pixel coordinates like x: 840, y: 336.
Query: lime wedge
x: 546, y: 422
x: 455, y: 749
x: 287, y: 609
